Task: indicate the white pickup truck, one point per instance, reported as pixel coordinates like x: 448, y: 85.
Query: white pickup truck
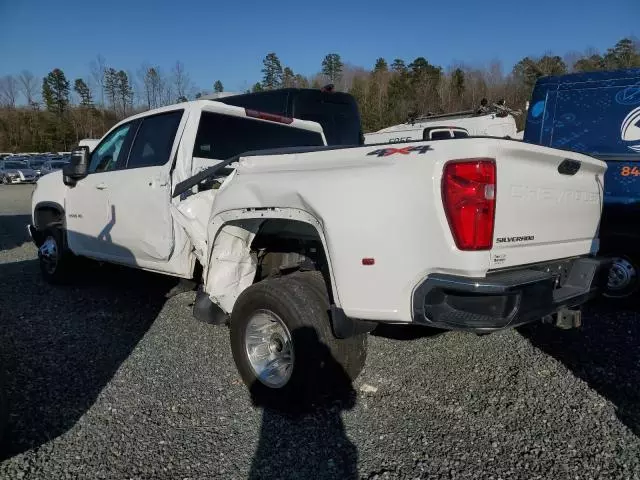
x: 304, y: 248
x: 496, y: 120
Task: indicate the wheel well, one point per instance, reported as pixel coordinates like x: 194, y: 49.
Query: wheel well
x: 47, y: 215
x: 284, y: 246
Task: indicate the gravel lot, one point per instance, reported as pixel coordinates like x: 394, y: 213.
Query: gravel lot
x: 108, y: 379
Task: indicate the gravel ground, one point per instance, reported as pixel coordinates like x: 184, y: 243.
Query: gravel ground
x: 107, y: 379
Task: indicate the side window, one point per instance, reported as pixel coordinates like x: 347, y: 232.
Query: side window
x: 440, y: 134
x: 460, y: 134
x: 110, y: 153
x: 224, y: 136
x: 153, y: 142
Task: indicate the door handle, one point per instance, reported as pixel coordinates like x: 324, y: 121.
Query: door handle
x: 101, y: 186
x: 158, y: 182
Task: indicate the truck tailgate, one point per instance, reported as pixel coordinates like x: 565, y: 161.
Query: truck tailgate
x: 548, y: 204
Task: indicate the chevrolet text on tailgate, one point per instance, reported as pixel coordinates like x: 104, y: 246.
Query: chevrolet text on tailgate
x: 302, y: 253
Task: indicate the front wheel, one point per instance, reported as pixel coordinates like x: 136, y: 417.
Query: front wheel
x: 283, y: 345
x: 55, y: 260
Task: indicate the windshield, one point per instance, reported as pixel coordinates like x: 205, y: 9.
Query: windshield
x: 58, y: 164
x: 15, y: 165
x: 35, y: 163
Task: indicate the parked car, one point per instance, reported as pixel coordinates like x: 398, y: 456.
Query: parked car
x: 53, y: 166
x: 303, y: 254
x: 16, y: 171
x: 36, y: 163
x: 598, y: 113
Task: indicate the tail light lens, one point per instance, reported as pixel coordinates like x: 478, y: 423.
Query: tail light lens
x: 469, y: 198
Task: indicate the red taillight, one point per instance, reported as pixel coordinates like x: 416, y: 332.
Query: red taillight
x: 272, y: 117
x: 469, y: 198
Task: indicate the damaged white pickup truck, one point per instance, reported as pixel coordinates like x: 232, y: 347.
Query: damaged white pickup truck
x: 304, y: 247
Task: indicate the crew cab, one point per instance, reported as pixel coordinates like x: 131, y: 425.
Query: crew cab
x: 305, y: 247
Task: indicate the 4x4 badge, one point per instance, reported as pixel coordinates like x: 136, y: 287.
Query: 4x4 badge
x: 385, y: 152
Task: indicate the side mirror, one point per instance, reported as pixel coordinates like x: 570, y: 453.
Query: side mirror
x: 78, y: 166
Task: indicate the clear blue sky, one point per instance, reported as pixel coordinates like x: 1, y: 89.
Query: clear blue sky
x: 228, y: 40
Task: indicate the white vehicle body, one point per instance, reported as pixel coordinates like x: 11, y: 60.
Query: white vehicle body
x: 476, y: 233
x: 89, y: 142
x: 108, y: 219
x: 426, y: 128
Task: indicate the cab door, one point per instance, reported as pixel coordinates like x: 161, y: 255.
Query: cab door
x: 139, y: 195
x: 89, y: 219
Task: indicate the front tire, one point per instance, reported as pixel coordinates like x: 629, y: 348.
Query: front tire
x: 56, y: 261
x: 283, y: 345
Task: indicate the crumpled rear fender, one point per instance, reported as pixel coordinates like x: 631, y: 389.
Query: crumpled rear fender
x: 231, y: 267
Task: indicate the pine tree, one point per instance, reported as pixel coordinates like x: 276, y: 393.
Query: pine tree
x: 624, y: 54
x: 457, y: 82
x: 257, y: 87
x: 332, y: 67
x: 83, y: 91
x: 55, y: 91
x: 111, y: 86
x: 398, y: 66
x: 125, y: 91
x: 300, y: 82
x: 272, y: 72
x: 288, y: 78
x: 218, y: 87
x: 380, y: 66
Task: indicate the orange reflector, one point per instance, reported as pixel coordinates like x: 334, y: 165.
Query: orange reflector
x: 368, y: 261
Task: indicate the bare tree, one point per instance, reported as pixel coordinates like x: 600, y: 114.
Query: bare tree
x: 181, y: 81
x: 28, y: 85
x: 8, y: 91
x: 98, y: 69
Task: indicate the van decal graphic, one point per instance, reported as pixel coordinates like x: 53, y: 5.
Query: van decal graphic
x: 629, y: 96
x: 630, y: 129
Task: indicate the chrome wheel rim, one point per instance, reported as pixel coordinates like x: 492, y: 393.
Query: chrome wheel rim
x: 48, y: 253
x: 269, y: 348
x: 621, y: 274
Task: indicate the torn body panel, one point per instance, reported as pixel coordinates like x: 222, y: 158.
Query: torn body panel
x: 192, y: 214
x: 232, y: 263
x: 232, y: 267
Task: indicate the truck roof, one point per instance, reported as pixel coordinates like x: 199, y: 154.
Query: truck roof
x: 223, y: 108
x: 590, y: 76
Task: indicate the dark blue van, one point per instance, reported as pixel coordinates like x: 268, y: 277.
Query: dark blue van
x: 598, y: 113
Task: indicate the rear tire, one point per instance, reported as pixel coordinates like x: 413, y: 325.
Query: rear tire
x: 56, y: 261
x: 293, y: 333
x: 624, y: 278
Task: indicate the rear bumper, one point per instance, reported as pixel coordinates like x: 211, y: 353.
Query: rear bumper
x: 509, y: 298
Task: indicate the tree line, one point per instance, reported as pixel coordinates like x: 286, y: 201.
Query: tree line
x: 55, y: 113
